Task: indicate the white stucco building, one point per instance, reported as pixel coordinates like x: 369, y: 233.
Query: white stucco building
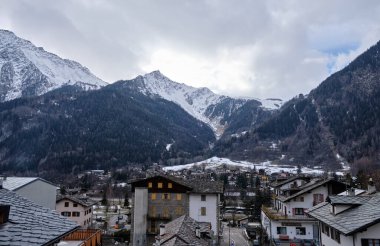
x: 35, y: 189
x: 75, y: 208
x: 349, y: 220
x: 286, y: 219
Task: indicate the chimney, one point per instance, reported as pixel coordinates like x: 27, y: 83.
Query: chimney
x: 4, y: 213
x: 351, y: 191
x: 371, y: 187
x: 198, y: 231
x: 2, y: 179
x: 162, y: 230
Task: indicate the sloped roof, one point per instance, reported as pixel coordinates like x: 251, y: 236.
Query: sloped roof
x: 313, y: 184
x: 15, y: 183
x: 181, y: 231
x: 194, y: 185
x: 276, y: 184
x: 84, y: 201
x: 352, y: 220
x: 348, y: 200
x: 31, y: 224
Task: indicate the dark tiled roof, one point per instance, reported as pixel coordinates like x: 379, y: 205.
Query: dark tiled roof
x: 29, y: 223
x: 181, y: 231
x: 364, y: 213
x: 305, y: 188
x: 84, y: 201
x: 205, y: 186
x: 196, y: 185
x: 276, y: 184
x: 348, y: 200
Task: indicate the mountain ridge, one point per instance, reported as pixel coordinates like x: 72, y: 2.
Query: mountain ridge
x: 27, y: 70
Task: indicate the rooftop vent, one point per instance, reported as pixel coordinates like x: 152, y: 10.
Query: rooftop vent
x: 2, y: 179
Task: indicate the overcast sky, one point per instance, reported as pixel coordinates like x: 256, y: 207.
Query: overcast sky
x: 240, y: 48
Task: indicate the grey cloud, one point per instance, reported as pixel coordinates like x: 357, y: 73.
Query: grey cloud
x: 269, y: 48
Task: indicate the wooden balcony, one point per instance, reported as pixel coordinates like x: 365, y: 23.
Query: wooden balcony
x: 85, y: 237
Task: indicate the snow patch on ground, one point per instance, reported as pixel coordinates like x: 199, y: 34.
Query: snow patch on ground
x: 268, y: 166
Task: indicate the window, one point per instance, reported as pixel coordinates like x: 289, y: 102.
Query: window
x: 317, y: 198
x: 326, y: 229
x: 152, y: 211
x: 300, y: 230
x: 170, y: 185
x: 203, y: 211
x: 371, y: 242
x: 165, y: 212
x: 298, y: 211
x: 178, y: 197
x: 301, y: 199
x: 335, y: 235
x: 66, y: 204
x: 179, y: 211
x: 159, y: 185
x: 203, y: 198
x: 153, y: 196
x: 150, y: 185
x: 66, y: 214
x: 165, y: 196
x: 281, y: 230
x: 75, y: 205
x: 76, y: 214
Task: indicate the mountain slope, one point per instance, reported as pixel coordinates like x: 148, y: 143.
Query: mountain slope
x: 27, y: 70
x: 338, y: 122
x: 69, y: 129
x: 201, y: 103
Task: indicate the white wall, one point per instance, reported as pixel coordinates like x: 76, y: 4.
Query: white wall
x: 308, y: 200
x: 60, y: 207
x: 371, y: 233
x: 140, y: 213
x: 211, y: 205
x: 271, y: 228
x: 39, y: 192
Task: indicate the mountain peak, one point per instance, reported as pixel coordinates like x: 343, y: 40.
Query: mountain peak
x: 27, y: 70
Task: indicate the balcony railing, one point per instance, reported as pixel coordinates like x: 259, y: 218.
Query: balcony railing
x: 273, y: 214
x: 88, y: 236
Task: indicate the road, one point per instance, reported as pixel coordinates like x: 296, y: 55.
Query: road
x: 236, y: 236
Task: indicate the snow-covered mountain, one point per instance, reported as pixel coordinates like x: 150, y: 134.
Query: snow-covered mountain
x: 201, y: 103
x: 27, y: 70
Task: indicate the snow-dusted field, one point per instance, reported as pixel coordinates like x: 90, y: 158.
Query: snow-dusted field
x: 268, y: 166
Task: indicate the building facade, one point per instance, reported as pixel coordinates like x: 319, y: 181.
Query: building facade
x: 160, y: 199
x: 287, y: 219
x: 349, y: 220
x: 37, y: 190
x: 77, y: 209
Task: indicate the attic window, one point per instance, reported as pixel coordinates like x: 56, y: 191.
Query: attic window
x: 170, y: 185
x: 150, y: 185
x: 75, y: 205
x: 66, y: 204
x: 159, y: 185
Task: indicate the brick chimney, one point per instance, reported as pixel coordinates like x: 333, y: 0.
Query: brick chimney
x: 4, y: 213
